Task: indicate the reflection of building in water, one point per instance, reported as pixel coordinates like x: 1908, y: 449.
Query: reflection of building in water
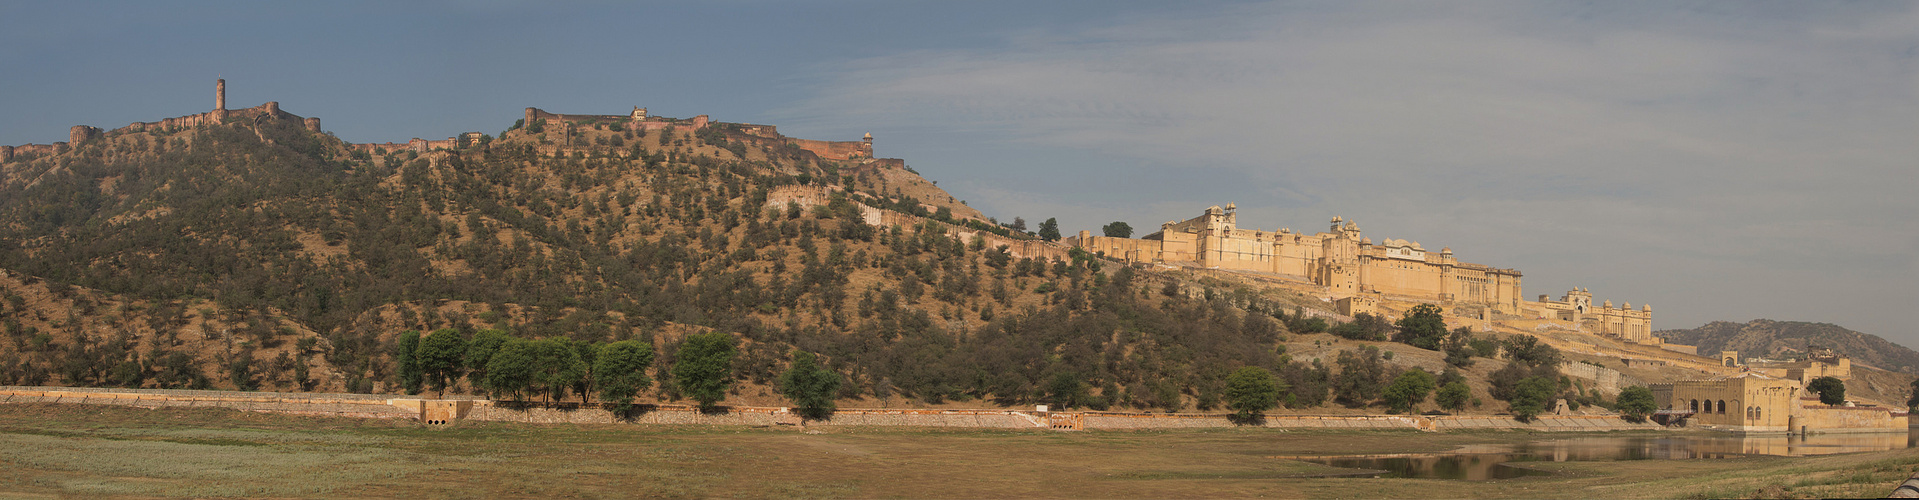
x: 1636, y: 448
x: 1494, y: 461
x: 1773, y: 399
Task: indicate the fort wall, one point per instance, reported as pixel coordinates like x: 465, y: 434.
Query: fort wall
x: 835, y: 150
x: 810, y: 196
x: 23, y: 151
x: 1604, y: 379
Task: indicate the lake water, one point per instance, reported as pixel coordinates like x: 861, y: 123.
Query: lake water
x: 1503, y: 461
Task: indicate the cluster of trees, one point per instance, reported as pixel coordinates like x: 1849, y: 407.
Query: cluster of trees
x: 510, y: 367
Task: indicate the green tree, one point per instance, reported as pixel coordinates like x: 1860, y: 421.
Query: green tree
x: 1453, y: 396
x: 1458, y: 347
x: 406, y: 354
x: 1065, y: 390
x: 704, y: 368
x: 1505, y: 381
x: 1832, y: 391
x: 1422, y: 327
x: 1912, y: 403
x: 810, y: 386
x: 1527, y: 349
x: 442, y: 358
x: 620, y: 371
x: 1049, y: 230
x: 1363, y: 327
x: 479, y: 352
x: 510, y: 369
x: 1531, y: 397
x: 1409, y: 389
x: 1117, y: 230
x: 1361, y: 376
x: 240, y: 371
x: 557, y: 366
x: 1250, y: 391
x: 1635, y: 403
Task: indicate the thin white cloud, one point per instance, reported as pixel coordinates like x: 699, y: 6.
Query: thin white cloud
x: 1731, y: 142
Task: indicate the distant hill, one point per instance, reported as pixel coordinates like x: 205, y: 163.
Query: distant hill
x: 1764, y: 337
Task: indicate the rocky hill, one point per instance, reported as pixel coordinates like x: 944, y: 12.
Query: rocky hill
x: 1787, y: 339
x: 261, y: 254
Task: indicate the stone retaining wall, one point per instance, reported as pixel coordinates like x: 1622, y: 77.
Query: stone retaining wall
x: 439, y: 411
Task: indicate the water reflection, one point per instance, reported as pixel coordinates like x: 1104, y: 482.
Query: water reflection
x: 1497, y: 461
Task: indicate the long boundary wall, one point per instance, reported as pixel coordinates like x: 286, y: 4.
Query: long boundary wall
x: 446, y: 411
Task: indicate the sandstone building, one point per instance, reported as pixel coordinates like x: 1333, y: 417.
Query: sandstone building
x: 1576, y: 308
x: 1770, y: 397
x: 1358, y: 273
x: 1340, y: 259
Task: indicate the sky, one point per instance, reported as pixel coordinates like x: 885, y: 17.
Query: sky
x: 1717, y: 160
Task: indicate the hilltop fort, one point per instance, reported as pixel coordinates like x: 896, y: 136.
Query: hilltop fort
x: 568, y: 126
x: 1358, y: 274
x: 636, y: 192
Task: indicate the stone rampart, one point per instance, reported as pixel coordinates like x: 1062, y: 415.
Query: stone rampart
x: 1607, y: 380
x: 1825, y: 418
x: 834, y: 150
x: 810, y: 196
x: 9, y: 153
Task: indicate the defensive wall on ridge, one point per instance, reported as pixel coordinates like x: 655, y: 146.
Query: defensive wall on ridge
x: 810, y: 196
x: 79, y: 134
x: 764, y: 135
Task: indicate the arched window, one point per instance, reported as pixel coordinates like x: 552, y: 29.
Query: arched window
x: 1757, y: 413
x: 1695, y: 406
x: 1722, y: 407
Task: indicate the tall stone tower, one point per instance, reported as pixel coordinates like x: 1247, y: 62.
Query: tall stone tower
x: 220, y: 99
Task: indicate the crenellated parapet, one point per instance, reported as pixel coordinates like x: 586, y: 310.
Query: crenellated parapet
x: 1340, y: 259
x: 1576, y: 307
x: 25, y: 151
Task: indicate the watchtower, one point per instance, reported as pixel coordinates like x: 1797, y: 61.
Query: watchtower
x: 220, y: 99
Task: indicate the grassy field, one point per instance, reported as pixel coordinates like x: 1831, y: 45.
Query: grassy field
x: 79, y: 450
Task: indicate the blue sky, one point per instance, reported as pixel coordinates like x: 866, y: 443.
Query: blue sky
x: 1719, y: 160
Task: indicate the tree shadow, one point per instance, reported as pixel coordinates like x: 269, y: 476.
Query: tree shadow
x: 633, y: 412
